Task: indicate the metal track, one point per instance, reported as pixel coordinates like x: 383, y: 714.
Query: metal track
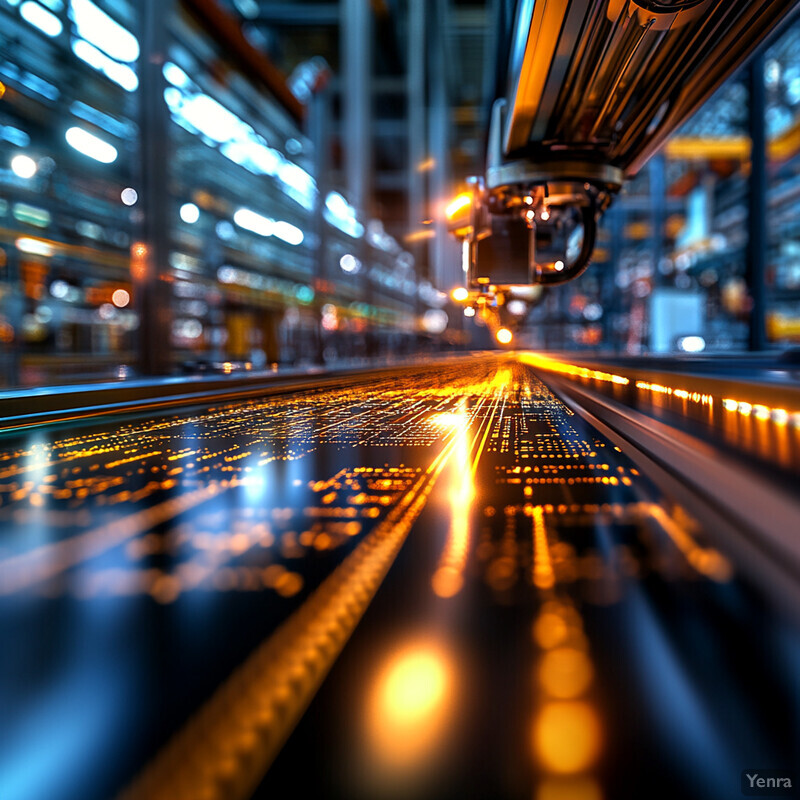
x: 739, y: 508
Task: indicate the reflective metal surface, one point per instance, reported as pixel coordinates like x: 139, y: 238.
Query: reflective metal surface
x: 441, y: 584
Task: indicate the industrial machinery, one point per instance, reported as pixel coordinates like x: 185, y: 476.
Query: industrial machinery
x: 593, y: 88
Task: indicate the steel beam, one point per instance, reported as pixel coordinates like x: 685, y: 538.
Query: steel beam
x: 150, y: 253
x: 319, y: 131
x: 446, y: 271
x: 658, y: 200
x: 356, y: 57
x: 757, y: 216
x: 415, y: 72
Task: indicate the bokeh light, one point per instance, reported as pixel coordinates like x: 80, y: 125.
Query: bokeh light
x: 504, y: 336
x: 567, y: 736
x: 409, y: 706
x: 23, y: 166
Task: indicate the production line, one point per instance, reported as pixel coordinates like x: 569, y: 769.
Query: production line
x: 437, y: 581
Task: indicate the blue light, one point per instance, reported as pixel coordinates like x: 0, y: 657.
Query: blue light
x: 101, y: 30
x: 121, y: 74
x: 90, y: 145
x: 175, y: 75
x: 34, y: 14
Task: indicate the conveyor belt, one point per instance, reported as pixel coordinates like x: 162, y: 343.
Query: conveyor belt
x: 468, y: 590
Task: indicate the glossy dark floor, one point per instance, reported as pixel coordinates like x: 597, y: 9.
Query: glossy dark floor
x: 467, y: 591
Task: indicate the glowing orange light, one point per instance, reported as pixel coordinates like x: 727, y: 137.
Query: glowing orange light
x: 418, y: 236
x: 415, y: 686
x: 447, y: 582
x: 544, y: 362
x: 543, y: 576
x: 565, y: 672
x: 139, y: 255
x: 567, y: 736
x: 550, y: 630
x: 683, y: 394
x: 459, y: 294
x: 504, y: 336
x: 760, y: 411
x: 780, y: 416
x: 448, y: 579
x: 462, y: 201
x: 569, y: 789
x: 409, y: 706
x: 448, y: 419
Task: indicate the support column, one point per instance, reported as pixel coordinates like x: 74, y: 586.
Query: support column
x: 319, y: 131
x: 356, y: 56
x: 611, y: 294
x: 445, y: 267
x: 415, y: 58
x: 14, y: 311
x: 150, y: 254
x: 658, y: 204
x: 757, y: 210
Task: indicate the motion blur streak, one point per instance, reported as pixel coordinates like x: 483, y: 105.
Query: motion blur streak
x: 448, y: 578
x: 707, y: 561
x: 543, y: 576
x: 554, y: 365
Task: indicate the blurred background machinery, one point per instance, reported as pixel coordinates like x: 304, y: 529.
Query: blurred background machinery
x: 205, y: 185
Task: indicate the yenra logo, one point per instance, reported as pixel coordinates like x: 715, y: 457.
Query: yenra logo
x: 767, y: 782
x: 756, y: 781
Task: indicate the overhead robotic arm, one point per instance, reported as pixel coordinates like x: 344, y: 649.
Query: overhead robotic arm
x: 593, y: 89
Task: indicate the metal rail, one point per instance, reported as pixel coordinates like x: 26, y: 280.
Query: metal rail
x: 33, y: 408
x: 737, y: 505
